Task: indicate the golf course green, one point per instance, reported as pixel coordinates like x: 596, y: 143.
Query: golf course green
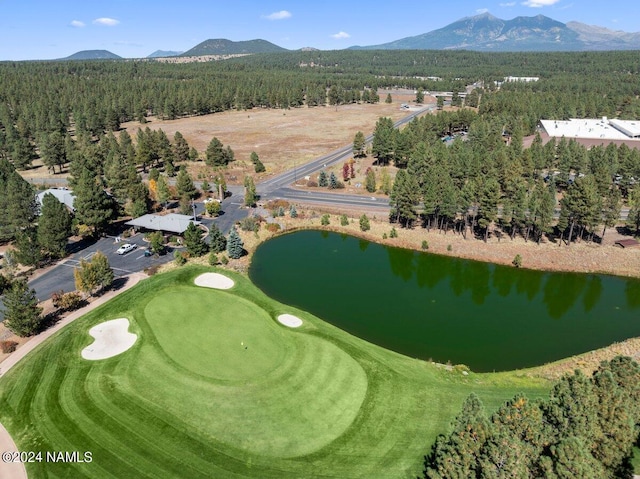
x: 216, y: 387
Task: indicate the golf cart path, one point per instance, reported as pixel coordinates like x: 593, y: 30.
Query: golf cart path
x: 17, y: 470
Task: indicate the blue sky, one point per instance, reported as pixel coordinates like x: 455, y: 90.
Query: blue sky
x: 47, y: 29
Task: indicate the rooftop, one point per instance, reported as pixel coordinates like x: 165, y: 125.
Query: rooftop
x: 172, y: 223
x: 63, y: 195
x: 587, y: 128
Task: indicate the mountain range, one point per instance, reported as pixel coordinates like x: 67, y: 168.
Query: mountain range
x: 482, y: 32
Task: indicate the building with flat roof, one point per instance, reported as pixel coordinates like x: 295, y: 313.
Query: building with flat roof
x: 171, y: 223
x: 597, y: 129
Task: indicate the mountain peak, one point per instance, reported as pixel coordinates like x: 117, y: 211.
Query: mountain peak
x: 485, y: 32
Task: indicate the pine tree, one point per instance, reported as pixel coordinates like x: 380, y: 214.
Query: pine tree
x: 333, y: 181
x: 293, y: 212
x: 359, y: 144
x: 217, y: 241
x: 22, y: 314
x: 235, y: 245
x: 27, y: 249
x: 215, y: 155
x: 184, y: 185
x: 322, y: 179
x: 404, y: 198
x: 163, y: 191
x: 456, y: 456
x: 250, y: 195
x: 54, y: 227
x: 383, y: 141
x: 180, y: 147
x: 18, y: 205
x: 93, y: 207
x: 196, y: 245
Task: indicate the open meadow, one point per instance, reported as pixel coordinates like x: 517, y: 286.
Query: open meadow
x: 215, y: 386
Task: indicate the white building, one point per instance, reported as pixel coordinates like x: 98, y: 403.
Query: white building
x: 588, y: 128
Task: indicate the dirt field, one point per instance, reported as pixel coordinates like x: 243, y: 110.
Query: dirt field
x: 281, y: 138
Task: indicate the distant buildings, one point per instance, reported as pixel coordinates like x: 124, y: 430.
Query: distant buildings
x: 597, y: 129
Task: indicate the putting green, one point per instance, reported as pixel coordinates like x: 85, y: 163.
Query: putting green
x: 214, y: 334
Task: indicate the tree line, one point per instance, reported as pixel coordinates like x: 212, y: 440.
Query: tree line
x: 586, y: 428
x: 485, y: 180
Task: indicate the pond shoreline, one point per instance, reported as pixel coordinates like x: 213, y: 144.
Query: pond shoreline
x: 578, y: 258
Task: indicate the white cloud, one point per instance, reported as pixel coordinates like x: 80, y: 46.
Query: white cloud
x: 106, y: 21
x: 480, y: 11
x: 340, y: 35
x: 281, y: 15
x: 77, y: 24
x: 508, y: 4
x: 539, y: 3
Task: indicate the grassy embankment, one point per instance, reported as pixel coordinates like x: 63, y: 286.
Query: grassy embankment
x: 216, y: 387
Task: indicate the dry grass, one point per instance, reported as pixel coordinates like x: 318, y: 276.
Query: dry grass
x: 281, y: 138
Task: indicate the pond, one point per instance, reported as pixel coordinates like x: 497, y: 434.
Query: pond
x: 489, y: 317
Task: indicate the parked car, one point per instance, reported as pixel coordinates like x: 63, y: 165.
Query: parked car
x: 125, y: 248
x: 209, y: 200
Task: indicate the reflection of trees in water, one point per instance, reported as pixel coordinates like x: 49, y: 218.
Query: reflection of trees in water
x: 503, y: 279
x: 401, y: 262
x: 363, y: 245
x: 592, y: 294
x: 632, y: 291
x: 561, y: 292
x: 529, y: 282
x: 430, y: 270
x: 479, y: 282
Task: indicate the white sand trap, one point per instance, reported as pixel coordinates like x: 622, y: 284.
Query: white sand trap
x: 111, y: 338
x: 290, y: 320
x: 214, y: 280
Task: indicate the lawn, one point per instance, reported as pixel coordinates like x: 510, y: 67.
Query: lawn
x: 216, y: 387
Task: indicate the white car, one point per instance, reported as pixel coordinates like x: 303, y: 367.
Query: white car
x: 125, y: 248
x: 209, y: 200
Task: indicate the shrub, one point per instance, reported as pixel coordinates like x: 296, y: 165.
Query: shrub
x: 384, y: 235
x: 8, y: 347
x: 344, y: 221
x: 364, y: 223
x: 151, y: 270
x: 179, y: 258
x: 393, y: 233
x: 70, y: 301
x: 250, y: 224
x: 224, y: 260
x: 312, y: 184
x: 273, y: 227
x: 517, y: 261
x: 449, y: 247
x: 324, y: 221
x: 425, y: 244
x: 213, y: 259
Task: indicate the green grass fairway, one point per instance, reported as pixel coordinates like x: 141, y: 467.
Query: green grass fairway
x: 215, y: 387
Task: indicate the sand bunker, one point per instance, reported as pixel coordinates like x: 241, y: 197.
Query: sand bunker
x: 111, y: 338
x: 290, y: 320
x: 214, y: 280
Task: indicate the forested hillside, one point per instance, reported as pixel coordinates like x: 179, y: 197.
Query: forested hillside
x: 64, y: 113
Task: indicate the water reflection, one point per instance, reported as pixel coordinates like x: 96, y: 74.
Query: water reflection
x: 489, y: 317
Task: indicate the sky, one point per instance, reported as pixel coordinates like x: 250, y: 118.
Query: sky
x: 50, y: 29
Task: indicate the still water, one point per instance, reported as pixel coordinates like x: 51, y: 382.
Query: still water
x: 489, y: 317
